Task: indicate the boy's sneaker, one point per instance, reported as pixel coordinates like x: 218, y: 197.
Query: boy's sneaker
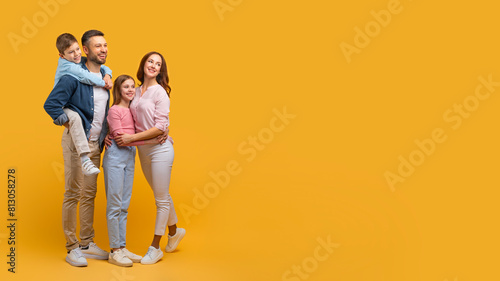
x: 173, y: 241
x: 76, y: 258
x: 118, y: 257
x: 152, y: 256
x: 133, y: 257
x: 94, y: 252
x: 89, y: 168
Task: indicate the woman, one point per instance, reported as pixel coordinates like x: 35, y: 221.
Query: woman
x: 150, y: 108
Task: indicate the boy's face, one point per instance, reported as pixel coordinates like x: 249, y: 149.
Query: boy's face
x: 72, y: 53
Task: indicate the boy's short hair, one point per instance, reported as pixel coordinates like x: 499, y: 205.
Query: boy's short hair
x: 89, y: 34
x: 65, y: 41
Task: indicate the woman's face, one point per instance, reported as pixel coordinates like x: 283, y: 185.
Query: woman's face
x: 152, y: 66
x: 128, y: 90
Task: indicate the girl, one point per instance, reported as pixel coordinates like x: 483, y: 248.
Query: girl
x: 150, y: 109
x: 118, y: 165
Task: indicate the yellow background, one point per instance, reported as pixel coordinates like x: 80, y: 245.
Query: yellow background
x: 321, y: 176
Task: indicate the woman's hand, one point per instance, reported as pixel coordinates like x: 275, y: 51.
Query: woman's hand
x: 107, y: 141
x: 123, y: 139
x: 162, y: 138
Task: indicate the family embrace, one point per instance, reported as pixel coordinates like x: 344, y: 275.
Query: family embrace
x: 139, y: 117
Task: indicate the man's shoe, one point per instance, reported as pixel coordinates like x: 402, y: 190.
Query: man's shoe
x: 133, y: 257
x: 89, y: 168
x: 76, y: 258
x: 118, y: 257
x: 94, y: 252
x: 173, y: 241
x: 152, y: 256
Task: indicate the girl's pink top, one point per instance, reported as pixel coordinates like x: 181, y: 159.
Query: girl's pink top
x: 120, y: 120
x: 151, y: 109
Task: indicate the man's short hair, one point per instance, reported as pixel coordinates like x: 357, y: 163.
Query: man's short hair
x: 64, y: 41
x: 89, y: 34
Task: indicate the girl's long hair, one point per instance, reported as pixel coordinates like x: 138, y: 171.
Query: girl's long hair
x: 117, y: 95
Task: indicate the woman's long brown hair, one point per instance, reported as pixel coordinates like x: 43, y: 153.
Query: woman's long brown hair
x: 161, y: 78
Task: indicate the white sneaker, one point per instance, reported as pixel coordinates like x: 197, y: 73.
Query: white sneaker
x: 133, y: 257
x: 94, y: 252
x: 173, y: 241
x: 89, y: 168
x: 152, y: 256
x: 118, y: 257
x: 76, y: 258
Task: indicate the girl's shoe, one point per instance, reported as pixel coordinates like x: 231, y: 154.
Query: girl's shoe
x: 118, y: 257
x: 133, y: 257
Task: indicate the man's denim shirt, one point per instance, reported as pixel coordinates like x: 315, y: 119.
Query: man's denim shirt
x: 69, y: 93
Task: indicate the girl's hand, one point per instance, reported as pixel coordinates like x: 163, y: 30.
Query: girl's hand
x: 123, y: 139
x: 107, y: 141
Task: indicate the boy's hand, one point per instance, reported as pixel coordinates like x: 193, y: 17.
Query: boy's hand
x: 107, y: 80
x: 66, y: 125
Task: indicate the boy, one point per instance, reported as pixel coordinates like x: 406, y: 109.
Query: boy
x: 69, y: 64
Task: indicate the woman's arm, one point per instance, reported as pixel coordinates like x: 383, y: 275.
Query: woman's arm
x: 160, y: 139
x: 143, y: 142
x: 124, y: 139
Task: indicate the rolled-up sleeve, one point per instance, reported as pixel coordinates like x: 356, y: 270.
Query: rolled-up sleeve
x: 162, y: 109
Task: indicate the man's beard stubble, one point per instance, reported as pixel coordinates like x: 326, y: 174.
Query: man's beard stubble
x: 95, y: 59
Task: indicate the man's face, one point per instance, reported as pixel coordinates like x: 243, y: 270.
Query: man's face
x: 97, y: 50
x: 73, y: 53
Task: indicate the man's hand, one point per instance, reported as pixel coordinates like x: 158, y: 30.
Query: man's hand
x: 107, y: 141
x: 66, y: 125
x: 107, y: 80
x: 123, y: 139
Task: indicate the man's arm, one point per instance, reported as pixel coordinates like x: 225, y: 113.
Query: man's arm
x: 58, y: 98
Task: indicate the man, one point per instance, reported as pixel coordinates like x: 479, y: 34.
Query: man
x: 91, y: 104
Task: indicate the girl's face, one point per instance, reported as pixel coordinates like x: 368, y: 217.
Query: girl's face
x: 127, y: 90
x: 152, y: 66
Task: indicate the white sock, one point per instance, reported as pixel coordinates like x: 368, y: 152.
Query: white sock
x: 84, y: 157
